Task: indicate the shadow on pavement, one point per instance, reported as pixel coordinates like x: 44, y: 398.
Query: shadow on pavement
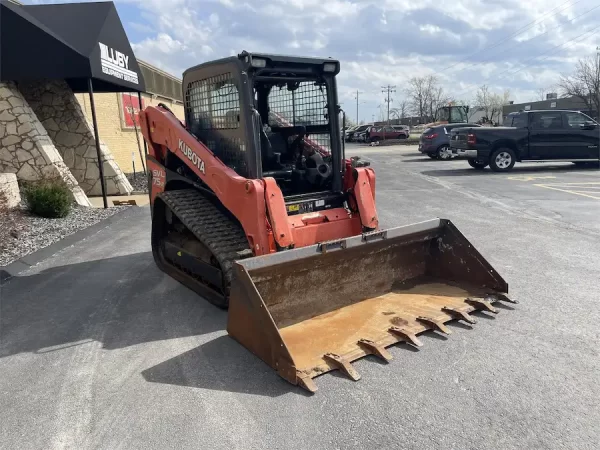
x: 120, y: 302
x: 222, y: 365
x: 425, y: 159
x: 517, y: 170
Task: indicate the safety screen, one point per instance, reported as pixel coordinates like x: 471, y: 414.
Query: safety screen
x: 306, y: 105
x: 213, y: 112
x: 214, y: 103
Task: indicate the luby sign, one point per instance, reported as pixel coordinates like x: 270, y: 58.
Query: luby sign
x: 116, y: 64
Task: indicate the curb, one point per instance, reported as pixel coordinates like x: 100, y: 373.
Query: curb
x: 27, y: 261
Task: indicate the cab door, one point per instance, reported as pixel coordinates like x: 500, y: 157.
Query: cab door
x: 547, y: 136
x: 582, y: 138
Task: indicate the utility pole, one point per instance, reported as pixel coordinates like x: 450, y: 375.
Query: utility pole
x: 389, y: 89
x: 356, y: 97
x: 598, y: 98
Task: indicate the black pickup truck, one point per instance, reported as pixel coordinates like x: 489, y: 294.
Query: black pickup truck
x: 531, y: 136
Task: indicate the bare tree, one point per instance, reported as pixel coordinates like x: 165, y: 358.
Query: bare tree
x: 417, y: 94
x: 425, y: 95
x: 540, y: 94
x: 583, y: 83
x: 490, y: 103
x: 437, y: 98
x: 402, y: 110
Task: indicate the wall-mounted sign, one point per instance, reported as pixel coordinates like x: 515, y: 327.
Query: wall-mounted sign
x: 552, y: 104
x: 116, y: 64
x: 528, y: 107
x: 130, y: 105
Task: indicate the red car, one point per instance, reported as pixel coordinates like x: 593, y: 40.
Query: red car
x: 387, y: 132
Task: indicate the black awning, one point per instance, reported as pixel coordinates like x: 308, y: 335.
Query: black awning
x: 74, y: 41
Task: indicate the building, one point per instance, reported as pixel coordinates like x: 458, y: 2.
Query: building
x: 115, y: 119
x: 552, y: 102
x: 47, y: 129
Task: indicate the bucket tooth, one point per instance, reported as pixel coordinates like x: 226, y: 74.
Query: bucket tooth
x: 342, y: 365
x: 375, y: 349
x: 308, y: 384
x: 406, y: 335
x: 435, y: 324
x: 498, y: 297
x: 458, y: 314
x: 481, y: 303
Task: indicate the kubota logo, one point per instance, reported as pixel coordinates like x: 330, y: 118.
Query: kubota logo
x: 191, y: 155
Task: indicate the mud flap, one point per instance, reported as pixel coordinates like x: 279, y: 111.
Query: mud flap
x: 314, y: 309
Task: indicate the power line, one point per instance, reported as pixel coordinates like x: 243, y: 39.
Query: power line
x: 517, y: 32
x: 535, y: 57
x: 389, y: 89
x: 570, y: 41
x: 527, y: 41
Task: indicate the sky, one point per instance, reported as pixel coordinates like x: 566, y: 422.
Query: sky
x: 522, y: 46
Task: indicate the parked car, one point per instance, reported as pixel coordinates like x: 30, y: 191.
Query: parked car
x: 435, y: 141
x: 352, y: 134
x: 531, y: 136
x: 386, y: 132
x: 402, y: 127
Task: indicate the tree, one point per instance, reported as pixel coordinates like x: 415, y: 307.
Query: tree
x: 583, y: 83
x: 491, y: 103
x: 401, y: 111
x: 426, y: 95
x: 349, y: 121
x: 540, y: 94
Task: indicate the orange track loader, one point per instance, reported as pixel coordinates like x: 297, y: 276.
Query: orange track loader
x: 256, y: 208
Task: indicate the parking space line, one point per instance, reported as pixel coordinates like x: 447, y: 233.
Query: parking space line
x: 580, y: 189
x: 528, y: 177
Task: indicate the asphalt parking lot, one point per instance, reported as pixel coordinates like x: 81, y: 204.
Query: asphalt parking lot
x: 101, y: 350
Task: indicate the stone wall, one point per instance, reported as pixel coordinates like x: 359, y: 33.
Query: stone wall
x: 25, y: 148
x: 10, y: 196
x: 60, y: 113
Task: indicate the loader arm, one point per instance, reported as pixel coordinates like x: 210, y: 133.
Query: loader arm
x: 244, y: 198
x: 250, y: 200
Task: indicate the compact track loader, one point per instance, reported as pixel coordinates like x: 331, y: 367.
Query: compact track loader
x: 256, y: 208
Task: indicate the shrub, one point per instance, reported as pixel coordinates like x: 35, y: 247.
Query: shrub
x: 50, y: 198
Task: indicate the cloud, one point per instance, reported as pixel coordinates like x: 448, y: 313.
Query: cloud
x: 379, y: 42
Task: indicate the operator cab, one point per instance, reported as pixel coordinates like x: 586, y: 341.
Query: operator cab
x: 272, y: 116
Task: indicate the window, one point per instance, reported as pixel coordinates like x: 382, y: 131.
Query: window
x: 213, y: 112
x: 214, y: 103
x: 574, y: 120
x: 519, y: 121
x: 546, y: 120
x: 305, y: 105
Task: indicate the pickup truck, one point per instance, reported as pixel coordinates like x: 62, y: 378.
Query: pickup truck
x: 549, y: 136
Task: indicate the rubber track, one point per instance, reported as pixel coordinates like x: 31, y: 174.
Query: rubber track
x: 222, y: 236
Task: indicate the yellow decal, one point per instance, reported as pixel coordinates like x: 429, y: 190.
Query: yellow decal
x: 293, y: 208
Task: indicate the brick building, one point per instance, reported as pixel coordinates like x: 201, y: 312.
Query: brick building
x: 115, y: 121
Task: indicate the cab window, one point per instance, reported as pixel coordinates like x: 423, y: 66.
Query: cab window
x: 547, y: 120
x: 519, y: 121
x: 574, y: 120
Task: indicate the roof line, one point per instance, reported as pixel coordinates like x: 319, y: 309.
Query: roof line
x: 156, y: 69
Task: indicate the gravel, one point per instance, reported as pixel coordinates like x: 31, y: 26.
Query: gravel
x: 139, y: 182
x: 22, y: 233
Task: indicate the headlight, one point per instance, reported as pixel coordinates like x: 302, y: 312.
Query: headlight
x: 329, y: 67
x: 259, y: 63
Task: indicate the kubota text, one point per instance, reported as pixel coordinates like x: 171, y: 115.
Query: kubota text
x: 191, y: 155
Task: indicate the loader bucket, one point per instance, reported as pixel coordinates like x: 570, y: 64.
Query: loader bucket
x: 314, y: 309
